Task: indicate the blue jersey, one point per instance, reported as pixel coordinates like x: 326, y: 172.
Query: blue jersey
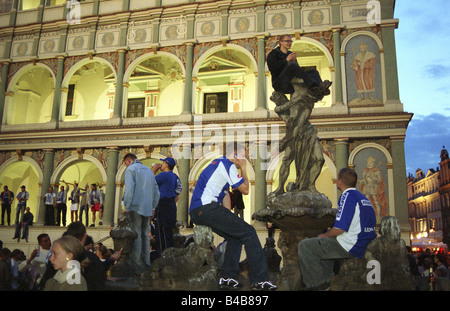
x: 356, y: 217
x: 214, y: 181
x: 169, y: 185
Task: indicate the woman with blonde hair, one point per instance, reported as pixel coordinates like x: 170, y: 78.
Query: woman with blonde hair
x: 67, y: 252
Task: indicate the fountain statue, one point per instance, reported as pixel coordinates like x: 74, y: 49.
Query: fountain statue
x: 298, y: 209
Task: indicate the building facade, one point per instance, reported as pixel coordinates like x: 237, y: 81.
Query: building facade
x: 424, y: 206
x: 83, y: 83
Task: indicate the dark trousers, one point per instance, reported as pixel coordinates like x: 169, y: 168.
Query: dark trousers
x: 49, y: 215
x: 84, y: 208
x: 6, y: 208
x: 283, y: 81
x: 20, y: 210
x: 165, y: 222
x: 237, y: 232
x: 61, y: 208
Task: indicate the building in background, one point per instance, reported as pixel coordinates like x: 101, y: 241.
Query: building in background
x: 83, y: 83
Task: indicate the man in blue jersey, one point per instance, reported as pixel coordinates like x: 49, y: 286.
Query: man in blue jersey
x: 206, y: 209
x: 166, y: 212
x: 353, y: 229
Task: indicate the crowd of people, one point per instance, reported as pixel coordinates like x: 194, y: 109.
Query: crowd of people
x: 71, y: 262
x: 90, y: 198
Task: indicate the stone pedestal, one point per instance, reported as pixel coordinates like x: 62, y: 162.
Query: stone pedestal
x: 123, y: 237
x: 299, y: 215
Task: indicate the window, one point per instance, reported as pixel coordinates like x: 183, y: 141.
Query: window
x: 69, y: 103
x: 215, y: 102
x: 136, y: 107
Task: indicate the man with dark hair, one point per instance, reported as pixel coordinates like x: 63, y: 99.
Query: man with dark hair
x: 353, y: 229
x: 283, y: 67
x: 166, y: 212
x: 7, y: 197
x: 140, y: 198
x: 206, y: 209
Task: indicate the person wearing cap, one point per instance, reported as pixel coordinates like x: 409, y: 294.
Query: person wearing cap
x: 166, y: 212
x: 22, y: 197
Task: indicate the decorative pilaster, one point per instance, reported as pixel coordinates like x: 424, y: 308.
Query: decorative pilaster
x: 338, y: 97
x: 390, y: 60
x: 399, y: 176
x: 4, y: 80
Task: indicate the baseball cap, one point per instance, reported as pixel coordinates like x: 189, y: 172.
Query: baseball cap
x: 169, y: 161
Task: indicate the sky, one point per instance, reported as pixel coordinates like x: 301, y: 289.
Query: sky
x: 423, y: 60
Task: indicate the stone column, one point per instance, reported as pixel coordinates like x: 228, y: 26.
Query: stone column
x: 118, y: 97
x: 341, y: 157
x: 5, y: 70
x: 187, y: 103
x: 261, y: 97
x: 260, y: 176
x: 341, y: 153
x: 110, y: 193
x: 49, y: 156
x: 57, y: 93
x: 183, y: 199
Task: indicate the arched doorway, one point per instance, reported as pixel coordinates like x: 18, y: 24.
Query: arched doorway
x: 15, y: 173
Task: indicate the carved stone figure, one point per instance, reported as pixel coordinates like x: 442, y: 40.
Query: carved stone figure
x: 383, y: 267
x: 298, y: 209
x: 123, y: 237
x: 191, y: 268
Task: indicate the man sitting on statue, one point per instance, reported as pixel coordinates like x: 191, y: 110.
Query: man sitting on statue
x: 353, y: 229
x: 284, y: 67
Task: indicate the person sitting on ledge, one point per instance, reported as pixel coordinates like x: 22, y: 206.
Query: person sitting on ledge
x: 353, y: 229
x: 283, y: 67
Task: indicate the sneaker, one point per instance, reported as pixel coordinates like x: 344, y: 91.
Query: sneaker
x: 266, y: 285
x: 229, y: 283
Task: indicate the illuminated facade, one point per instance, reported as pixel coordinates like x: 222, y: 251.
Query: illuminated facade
x: 82, y: 85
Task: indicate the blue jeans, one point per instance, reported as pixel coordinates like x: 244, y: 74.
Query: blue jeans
x: 237, y: 232
x: 140, y: 256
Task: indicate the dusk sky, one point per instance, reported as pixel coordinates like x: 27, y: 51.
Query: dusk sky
x: 423, y: 57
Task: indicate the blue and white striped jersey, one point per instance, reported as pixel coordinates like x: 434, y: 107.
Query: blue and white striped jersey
x: 214, y: 181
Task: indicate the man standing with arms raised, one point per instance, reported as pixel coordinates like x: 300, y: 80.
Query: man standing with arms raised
x: 140, y: 198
